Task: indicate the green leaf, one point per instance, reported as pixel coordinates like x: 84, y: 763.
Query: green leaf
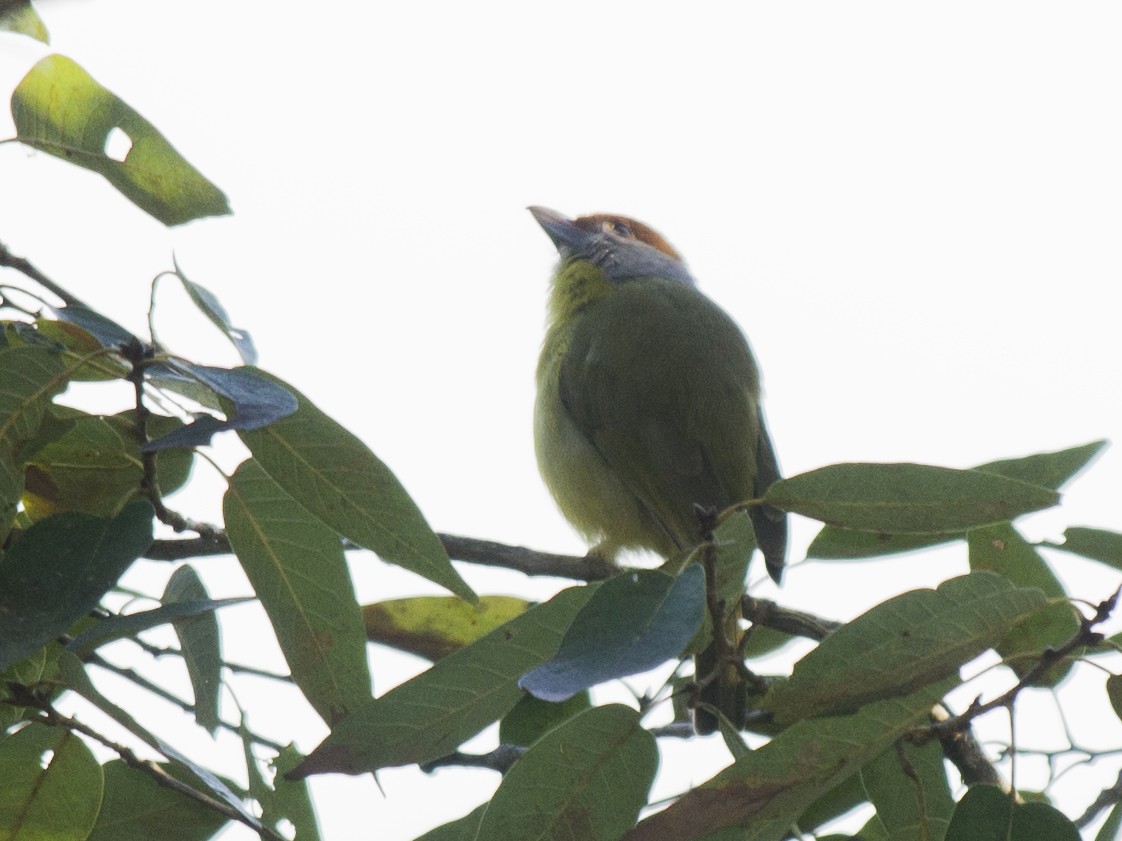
x: 986, y: 813
x: 336, y: 477
x: 292, y: 801
x: 633, y: 623
x: 765, y: 792
x: 212, y: 308
x: 432, y: 714
x: 297, y: 568
x: 907, y: 498
x: 435, y: 626
x: 19, y: 17
x: 1111, y: 826
x: 1049, y: 470
x: 461, y: 829
x: 531, y: 718
x: 50, y: 785
x: 907, y: 642
x: 1097, y: 544
x: 60, y: 109
x: 137, y: 808
x: 96, y: 468
x: 1114, y: 693
x: 843, y: 798
x: 911, y: 803
x: 586, y: 779
x: 200, y: 643
x: 59, y: 569
x: 837, y: 544
x: 29, y: 378
x: 80, y: 342
x: 1001, y: 549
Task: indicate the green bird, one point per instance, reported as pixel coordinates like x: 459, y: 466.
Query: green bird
x: 648, y: 411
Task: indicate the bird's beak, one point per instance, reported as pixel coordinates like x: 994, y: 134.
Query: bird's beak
x: 564, y: 232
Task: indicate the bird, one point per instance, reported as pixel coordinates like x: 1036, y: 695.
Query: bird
x: 648, y: 412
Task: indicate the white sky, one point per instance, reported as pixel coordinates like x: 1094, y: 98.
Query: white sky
x: 913, y: 212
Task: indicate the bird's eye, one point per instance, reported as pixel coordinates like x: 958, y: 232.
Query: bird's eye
x: 620, y: 229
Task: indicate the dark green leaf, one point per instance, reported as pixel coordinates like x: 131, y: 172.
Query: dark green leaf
x: 107, y: 332
x: 1110, y: 829
x: 60, y: 109
x: 634, y: 622
x: 1114, y: 693
x: 50, y: 785
x: 586, y: 779
x: 907, y: 498
x: 531, y: 718
x: 982, y: 814
x: 29, y: 378
x: 59, y: 569
x: 432, y: 714
x: 1001, y: 549
x: 336, y: 477
x: 843, y: 798
x: 137, y: 808
x: 837, y: 544
x: 200, y: 643
x: 907, y: 642
x: 297, y: 568
x: 256, y: 402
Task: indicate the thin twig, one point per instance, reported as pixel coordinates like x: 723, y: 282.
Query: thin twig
x: 21, y: 265
x: 771, y: 615
x: 52, y: 717
x: 500, y: 759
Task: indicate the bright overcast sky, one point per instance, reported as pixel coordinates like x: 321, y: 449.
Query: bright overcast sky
x: 913, y: 211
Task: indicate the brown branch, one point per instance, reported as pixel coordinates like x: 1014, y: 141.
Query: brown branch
x: 52, y: 717
x: 590, y: 567
x: 965, y: 752
x: 500, y: 759
x: 1107, y: 798
x: 768, y: 614
x: 24, y: 267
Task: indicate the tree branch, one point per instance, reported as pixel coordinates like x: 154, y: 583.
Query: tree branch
x: 24, y: 267
x: 500, y: 759
x: 52, y: 717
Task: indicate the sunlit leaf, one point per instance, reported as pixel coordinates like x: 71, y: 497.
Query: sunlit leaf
x: 60, y: 109
x: 20, y: 17
x: 435, y: 626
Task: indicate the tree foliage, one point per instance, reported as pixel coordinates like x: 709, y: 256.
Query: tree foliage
x: 860, y: 719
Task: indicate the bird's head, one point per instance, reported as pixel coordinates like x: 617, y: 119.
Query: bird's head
x: 622, y: 248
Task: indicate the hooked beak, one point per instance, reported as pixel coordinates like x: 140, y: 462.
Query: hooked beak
x: 566, y: 234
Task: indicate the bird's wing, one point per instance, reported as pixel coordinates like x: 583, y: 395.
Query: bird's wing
x: 673, y: 411
x: 770, y: 524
